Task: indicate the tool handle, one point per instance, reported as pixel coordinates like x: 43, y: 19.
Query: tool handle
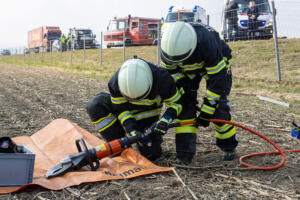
x: 89, y: 157
x: 78, y: 141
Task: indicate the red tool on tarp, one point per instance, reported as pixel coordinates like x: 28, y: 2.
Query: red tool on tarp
x: 91, y: 157
x: 57, y: 140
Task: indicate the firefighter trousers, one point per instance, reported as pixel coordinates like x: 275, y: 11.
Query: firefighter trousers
x: 225, y: 133
x: 100, y: 111
x: 186, y: 135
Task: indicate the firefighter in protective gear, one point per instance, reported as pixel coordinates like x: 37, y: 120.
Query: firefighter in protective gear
x: 69, y: 41
x: 63, y: 41
x: 137, y: 92
x: 191, y: 52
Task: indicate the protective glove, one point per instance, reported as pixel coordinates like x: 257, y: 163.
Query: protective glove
x: 207, y: 111
x: 162, y: 126
x: 145, y: 139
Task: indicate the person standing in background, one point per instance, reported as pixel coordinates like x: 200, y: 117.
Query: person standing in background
x: 63, y: 42
x: 232, y: 20
x: 252, y: 18
x: 69, y: 41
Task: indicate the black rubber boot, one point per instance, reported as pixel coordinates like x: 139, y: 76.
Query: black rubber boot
x: 228, y: 155
x: 184, y: 158
x: 185, y: 147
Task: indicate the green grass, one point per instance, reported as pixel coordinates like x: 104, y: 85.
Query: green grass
x: 253, y: 65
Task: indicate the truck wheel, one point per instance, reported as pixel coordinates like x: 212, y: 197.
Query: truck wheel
x: 128, y: 42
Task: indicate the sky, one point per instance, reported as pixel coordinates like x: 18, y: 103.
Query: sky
x: 19, y: 16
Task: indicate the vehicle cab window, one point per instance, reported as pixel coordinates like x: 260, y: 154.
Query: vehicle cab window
x: 180, y: 16
x: 134, y: 25
x: 262, y: 5
x: 152, y: 30
x: 141, y: 26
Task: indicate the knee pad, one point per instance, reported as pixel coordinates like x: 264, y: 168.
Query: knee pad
x: 223, y: 110
x: 100, y: 111
x: 99, y: 106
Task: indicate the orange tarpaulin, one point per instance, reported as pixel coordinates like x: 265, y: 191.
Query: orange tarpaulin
x: 57, y: 140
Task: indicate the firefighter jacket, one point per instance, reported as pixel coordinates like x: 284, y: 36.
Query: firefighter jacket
x: 163, y: 90
x: 63, y: 39
x: 208, y: 61
x: 69, y: 38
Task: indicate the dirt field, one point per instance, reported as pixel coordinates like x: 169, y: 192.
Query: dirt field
x: 32, y: 97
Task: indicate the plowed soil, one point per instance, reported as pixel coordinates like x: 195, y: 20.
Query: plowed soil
x: 31, y: 97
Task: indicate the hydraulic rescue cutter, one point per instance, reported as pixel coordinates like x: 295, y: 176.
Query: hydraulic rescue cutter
x: 91, y: 157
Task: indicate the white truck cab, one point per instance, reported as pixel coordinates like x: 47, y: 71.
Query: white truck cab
x: 186, y: 13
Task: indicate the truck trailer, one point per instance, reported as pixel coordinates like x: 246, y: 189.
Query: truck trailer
x: 40, y: 39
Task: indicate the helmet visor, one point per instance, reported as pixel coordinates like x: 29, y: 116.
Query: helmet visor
x: 176, y: 58
x: 138, y: 98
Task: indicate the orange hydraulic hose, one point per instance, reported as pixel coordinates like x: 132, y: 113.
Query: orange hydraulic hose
x: 280, y: 151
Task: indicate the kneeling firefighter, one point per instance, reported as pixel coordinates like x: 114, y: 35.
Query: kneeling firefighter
x: 191, y: 52
x: 137, y: 91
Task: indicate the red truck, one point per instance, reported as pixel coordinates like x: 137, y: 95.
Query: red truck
x: 138, y: 31
x: 39, y: 38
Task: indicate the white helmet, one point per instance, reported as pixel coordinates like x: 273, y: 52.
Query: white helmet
x: 135, y: 79
x: 178, y: 41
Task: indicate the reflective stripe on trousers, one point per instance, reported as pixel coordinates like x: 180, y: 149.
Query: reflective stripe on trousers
x: 224, y: 131
x: 185, y: 128
x: 105, y: 122
x: 217, y: 68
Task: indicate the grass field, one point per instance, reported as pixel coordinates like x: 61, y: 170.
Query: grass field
x: 253, y: 65
x: 36, y: 89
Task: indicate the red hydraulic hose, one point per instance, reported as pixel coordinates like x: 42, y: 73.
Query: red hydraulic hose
x: 280, y: 151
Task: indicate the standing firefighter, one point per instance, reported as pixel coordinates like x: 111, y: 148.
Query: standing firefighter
x: 69, y: 41
x: 137, y: 91
x: 192, y: 52
x: 232, y: 20
x: 63, y: 42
